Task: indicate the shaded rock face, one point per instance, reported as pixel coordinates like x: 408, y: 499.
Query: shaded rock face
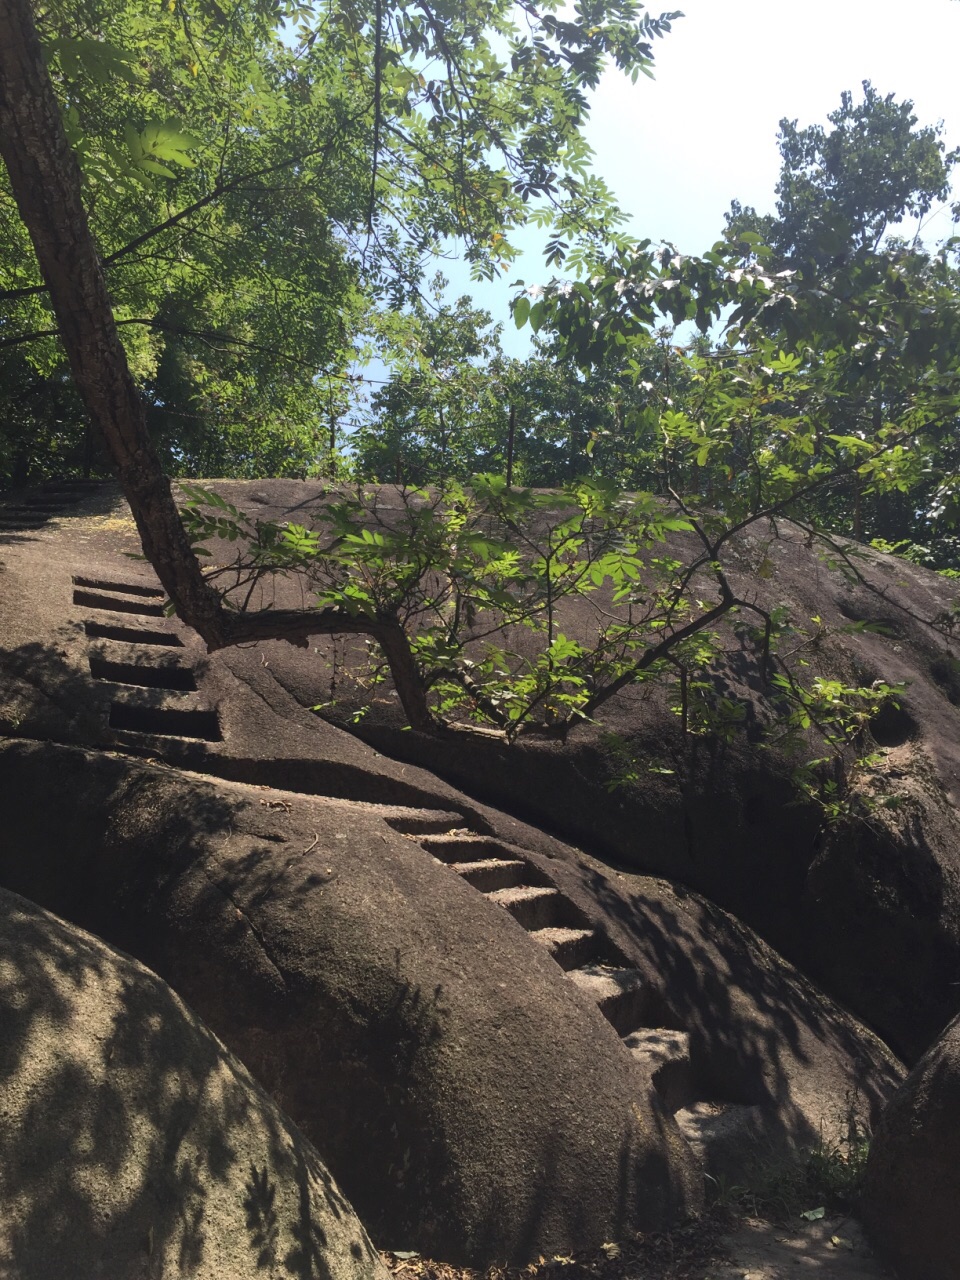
x: 132, y: 1143
x: 912, y: 1186
x: 472, y: 1102
x: 485, y: 1031
x: 869, y: 908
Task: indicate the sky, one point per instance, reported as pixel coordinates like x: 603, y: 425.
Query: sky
x: 677, y: 149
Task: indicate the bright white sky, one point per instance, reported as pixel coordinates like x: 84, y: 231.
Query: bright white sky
x: 676, y: 150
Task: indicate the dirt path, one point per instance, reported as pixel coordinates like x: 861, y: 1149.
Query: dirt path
x: 832, y: 1249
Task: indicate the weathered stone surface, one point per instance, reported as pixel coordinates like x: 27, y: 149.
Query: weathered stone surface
x: 912, y: 1189
x: 132, y: 1143
x: 869, y: 909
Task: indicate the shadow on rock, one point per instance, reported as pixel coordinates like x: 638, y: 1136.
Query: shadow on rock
x: 132, y: 1142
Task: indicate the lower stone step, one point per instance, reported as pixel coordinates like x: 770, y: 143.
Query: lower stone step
x: 664, y: 1055
x: 170, y: 676
x: 730, y: 1138
x: 622, y: 995
x: 117, y: 604
x: 166, y: 722
x: 21, y: 522
x: 131, y: 635
x: 571, y: 948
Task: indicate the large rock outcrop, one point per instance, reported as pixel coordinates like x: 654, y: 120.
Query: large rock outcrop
x: 472, y: 1102
x: 868, y: 908
x: 509, y: 1092
x: 912, y: 1188
x: 132, y: 1143
x: 491, y: 1060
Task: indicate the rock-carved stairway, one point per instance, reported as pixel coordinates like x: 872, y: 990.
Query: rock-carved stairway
x: 37, y: 508
x: 720, y: 1129
x: 134, y: 647
x: 157, y: 693
x: 624, y: 996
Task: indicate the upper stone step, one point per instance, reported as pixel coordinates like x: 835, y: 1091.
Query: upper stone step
x: 463, y: 846
x: 571, y: 948
x: 118, y: 604
x: 416, y: 822
x: 530, y: 905
x: 492, y: 873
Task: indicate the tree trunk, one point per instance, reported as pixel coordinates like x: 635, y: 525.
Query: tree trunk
x: 46, y: 184
x: 45, y: 180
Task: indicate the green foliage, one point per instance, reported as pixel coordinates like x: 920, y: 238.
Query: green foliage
x: 841, y: 715
x: 476, y: 578
x: 842, y: 189
x: 257, y: 181
x: 829, y: 1178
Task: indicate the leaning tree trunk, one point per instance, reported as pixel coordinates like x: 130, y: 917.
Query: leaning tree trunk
x: 45, y: 180
x: 46, y: 186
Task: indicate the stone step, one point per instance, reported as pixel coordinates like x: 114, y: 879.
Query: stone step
x: 623, y: 996
x: 131, y: 635
x: 664, y: 1055
x: 462, y: 846
x: 571, y: 948
x: 491, y: 873
x: 51, y: 504
x: 531, y: 906
x: 172, y: 677
x: 117, y: 604
x: 21, y: 522
x: 729, y: 1137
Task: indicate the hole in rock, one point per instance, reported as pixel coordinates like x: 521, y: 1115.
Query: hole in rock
x: 127, y: 588
x: 169, y: 722
x: 131, y: 635
x: 117, y: 604
x: 175, y: 678
x: 892, y: 726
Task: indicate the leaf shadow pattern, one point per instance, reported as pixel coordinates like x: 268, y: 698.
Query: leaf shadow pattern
x: 260, y: 1206
x: 126, y: 1129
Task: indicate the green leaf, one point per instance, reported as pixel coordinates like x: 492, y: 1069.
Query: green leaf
x: 814, y: 1215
